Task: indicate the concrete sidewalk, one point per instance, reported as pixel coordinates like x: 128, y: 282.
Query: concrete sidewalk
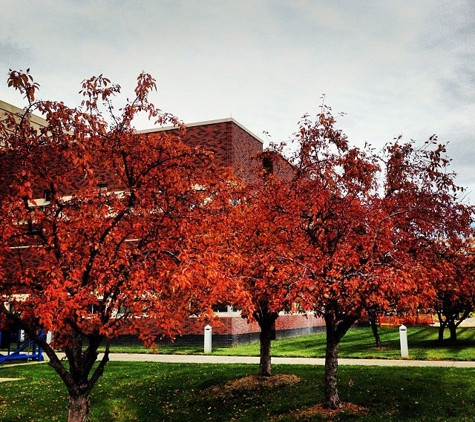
x: 254, y: 360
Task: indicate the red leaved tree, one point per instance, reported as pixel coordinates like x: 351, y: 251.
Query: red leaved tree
x: 453, y: 284
x: 434, y: 226
x: 448, y: 252
x: 101, y: 228
x: 260, y: 250
x: 366, y: 224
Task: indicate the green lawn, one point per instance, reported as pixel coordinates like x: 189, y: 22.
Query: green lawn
x: 150, y: 392
x: 358, y: 343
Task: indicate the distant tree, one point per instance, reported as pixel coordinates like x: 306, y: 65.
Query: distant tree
x: 453, y: 283
x: 435, y: 227
x: 101, y: 229
x: 366, y: 221
x: 451, y: 311
x: 374, y: 324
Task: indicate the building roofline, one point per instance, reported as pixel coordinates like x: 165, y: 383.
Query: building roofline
x: 204, y: 123
x: 10, y: 108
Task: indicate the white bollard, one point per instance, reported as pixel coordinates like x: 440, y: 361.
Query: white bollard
x: 403, y: 339
x: 49, y: 337
x: 208, y: 338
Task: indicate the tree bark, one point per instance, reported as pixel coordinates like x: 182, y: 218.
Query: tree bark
x: 442, y: 325
x: 82, y: 376
x: 266, y: 323
x: 453, y: 331
x: 335, y: 330
x: 331, y: 399
x: 373, y: 320
x: 441, y: 333
x: 78, y: 407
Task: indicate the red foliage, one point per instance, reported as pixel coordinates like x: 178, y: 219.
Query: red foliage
x: 100, y: 225
x: 369, y: 225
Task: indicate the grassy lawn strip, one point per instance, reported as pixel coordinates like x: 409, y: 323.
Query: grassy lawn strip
x: 185, y: 392
x: 358, y: 343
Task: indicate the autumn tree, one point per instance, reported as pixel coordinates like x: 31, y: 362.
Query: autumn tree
x: 454, y: 289
x: 260, y: 251
x: 452, y: 281
x: 367, y: 221
x: 441, y: 229
x: 100, y: 228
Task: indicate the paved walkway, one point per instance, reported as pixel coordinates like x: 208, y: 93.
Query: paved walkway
x: 254, y: 360
x: 10, y: 379
x: 137, y: 357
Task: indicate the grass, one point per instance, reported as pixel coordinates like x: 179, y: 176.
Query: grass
x: 149, y: 392
x: 156, y: 391
x: 357, y: 343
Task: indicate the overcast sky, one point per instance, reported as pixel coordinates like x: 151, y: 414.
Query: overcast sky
x: 395, y: 67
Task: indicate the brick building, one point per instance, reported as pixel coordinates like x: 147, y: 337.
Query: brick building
x: 6, y: 108
x: 232, y: 146
x: 231, y: 143
x: 235, y: 146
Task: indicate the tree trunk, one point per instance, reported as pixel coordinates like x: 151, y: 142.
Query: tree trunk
x: 373, y: 320
x: 84, y: 369
x: 266, y: 323
x: 453, y: 331
x: 336, y: 328
x: 78, y: 408
x: 442, y: 325
x: 331, y: 399
x: 81, y: 377
x: 441, y: 333
x: 265, y: 357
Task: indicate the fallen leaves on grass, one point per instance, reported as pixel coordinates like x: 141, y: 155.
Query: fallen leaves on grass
x: 348, y: 408
x: 253, y: 382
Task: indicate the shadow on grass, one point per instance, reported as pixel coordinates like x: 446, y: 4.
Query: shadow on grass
x: 146, y: 392
x: 360, y: 343
x: 182, y: 393
x: 423, y: 344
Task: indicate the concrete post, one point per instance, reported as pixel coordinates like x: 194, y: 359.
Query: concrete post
x: 403, y: 340
x: 208, y: 339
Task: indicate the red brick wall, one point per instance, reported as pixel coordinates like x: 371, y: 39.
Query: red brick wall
x: 244, y: 150
x: 235, y: 325
x: 292, y: 322
x: 231, y: 145
x: 214, y: 137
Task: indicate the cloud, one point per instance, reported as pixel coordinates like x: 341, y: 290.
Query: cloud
x: 395, y: 68
x: 13, y: 54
